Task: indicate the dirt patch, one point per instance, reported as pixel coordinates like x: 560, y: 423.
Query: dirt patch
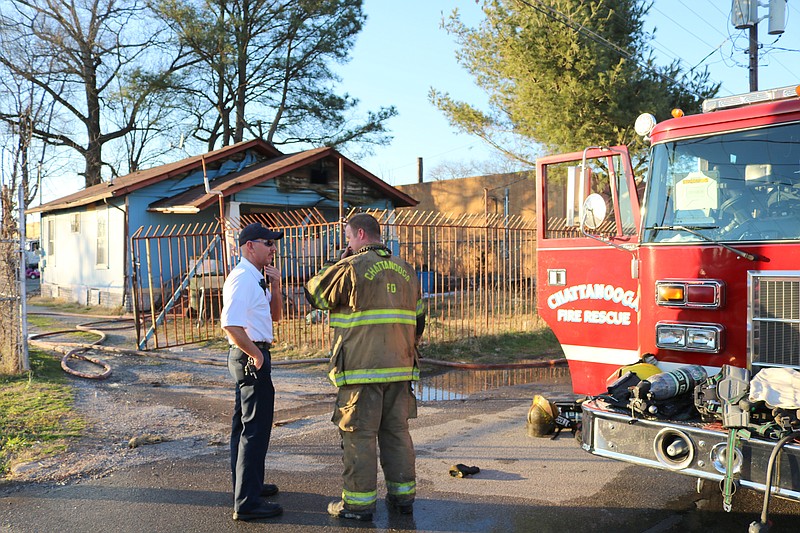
x: 182, y: 405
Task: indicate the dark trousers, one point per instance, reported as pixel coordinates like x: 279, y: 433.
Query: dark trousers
x: 251, y: 426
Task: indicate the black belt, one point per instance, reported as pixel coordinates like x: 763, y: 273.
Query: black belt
x: 264, y: 345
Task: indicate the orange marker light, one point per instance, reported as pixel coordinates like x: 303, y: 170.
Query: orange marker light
x: 677, y: 113
x: 670, y: 293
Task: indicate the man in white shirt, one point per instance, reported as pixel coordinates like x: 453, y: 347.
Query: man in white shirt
x: 249, y: 309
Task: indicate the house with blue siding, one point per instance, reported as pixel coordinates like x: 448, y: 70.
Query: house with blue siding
x: 86, y: 236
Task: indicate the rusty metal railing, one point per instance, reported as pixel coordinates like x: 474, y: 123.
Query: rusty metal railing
x: 476, y: 271
x: 178, y: 272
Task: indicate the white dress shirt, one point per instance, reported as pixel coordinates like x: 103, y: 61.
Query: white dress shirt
x: 245, y: 304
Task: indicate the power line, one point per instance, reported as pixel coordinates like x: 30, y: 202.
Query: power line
x: 700, y: 17
x: 558, y: 16
x: 678, y: 24
x: 715, y: 6
x: 734, y: 36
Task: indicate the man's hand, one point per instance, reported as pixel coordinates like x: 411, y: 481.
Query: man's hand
x: 238, y: 337
x: 258, y: 362
x: 347, y: 252
x: 274, y: 275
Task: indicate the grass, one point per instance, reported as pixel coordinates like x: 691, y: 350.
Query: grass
x: 74, y: 307
x: 36, y: 416
x: 501, y: 348
x: 41, y: 321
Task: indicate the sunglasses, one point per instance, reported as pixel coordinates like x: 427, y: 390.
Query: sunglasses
x: 268, y: 243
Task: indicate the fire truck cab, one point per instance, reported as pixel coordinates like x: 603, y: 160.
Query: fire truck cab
x: 696, y: 262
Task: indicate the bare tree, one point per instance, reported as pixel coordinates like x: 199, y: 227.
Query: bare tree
x: 264, y: 70
x: 76, y: 53
x: 26, y: 159
x: 495, y: 163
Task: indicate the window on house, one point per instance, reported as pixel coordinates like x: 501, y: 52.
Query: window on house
x: 51, y: 241
x: 102, y: 238
x: 75, y: 222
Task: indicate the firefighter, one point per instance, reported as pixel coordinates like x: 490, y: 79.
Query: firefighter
x: 377, y: 316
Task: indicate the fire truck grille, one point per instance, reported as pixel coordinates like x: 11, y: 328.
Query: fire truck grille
x: 775, y: 320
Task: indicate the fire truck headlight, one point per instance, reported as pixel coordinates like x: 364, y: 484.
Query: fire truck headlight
x: 689, y: 337
x: 644, y: 124
x: 670, y: 336
x: 705, y: 339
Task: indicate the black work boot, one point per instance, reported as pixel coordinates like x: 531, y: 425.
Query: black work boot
x: 400, y: 506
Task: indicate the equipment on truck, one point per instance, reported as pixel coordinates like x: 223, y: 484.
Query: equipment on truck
x: 694, y: 264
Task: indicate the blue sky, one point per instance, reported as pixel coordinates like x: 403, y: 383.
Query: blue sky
x: 402, y: 52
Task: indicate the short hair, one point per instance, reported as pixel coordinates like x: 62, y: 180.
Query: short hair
x: 366, y: 222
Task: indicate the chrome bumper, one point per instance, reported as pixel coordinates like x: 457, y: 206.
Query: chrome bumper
x: 687, y: 448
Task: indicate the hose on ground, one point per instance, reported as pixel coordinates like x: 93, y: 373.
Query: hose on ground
x: 74, y: 350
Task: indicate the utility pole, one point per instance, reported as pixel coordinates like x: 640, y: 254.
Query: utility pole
x: 753, y: 57
x: 744, y: 15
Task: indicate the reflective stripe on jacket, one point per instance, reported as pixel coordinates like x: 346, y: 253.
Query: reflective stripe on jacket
x: 374, y: 303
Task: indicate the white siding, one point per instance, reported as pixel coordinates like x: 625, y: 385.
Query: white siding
x: 72, y: 270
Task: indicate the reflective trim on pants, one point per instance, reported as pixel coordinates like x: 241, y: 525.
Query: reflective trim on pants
x: 370, y: 417
x: 359, y: 499
x: 401, y: 489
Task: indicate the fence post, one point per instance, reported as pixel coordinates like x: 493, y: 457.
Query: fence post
x: 23, y: 288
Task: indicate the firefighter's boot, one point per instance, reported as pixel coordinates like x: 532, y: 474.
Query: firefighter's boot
x: 401, y: 506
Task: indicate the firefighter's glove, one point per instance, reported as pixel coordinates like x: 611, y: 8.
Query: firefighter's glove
x: 460, y: 470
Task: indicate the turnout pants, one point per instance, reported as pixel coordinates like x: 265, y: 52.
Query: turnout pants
x: 376, y: 414
x: 251, y: 426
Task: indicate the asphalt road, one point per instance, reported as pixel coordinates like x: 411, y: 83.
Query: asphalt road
x: 525, y: 484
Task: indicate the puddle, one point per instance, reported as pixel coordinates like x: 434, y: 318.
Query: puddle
x: 459, y: 384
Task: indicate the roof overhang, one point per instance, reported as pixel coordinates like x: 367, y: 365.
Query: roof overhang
x: 124, y: 185
x: 197, y: 198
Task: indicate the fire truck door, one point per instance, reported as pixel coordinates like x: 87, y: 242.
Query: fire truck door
x: 586, y: 274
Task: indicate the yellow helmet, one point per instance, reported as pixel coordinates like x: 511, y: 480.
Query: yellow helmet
x: 542, y: 417
x: 642, y: 371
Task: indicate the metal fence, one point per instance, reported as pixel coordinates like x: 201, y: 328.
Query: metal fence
x: 476, y: 272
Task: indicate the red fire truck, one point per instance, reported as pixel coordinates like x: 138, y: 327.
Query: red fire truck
x: 695, y: 262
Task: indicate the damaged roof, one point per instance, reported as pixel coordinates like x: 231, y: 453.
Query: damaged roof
x: 291, y: 172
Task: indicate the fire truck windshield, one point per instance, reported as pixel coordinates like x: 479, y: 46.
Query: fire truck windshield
x: 741, y: 186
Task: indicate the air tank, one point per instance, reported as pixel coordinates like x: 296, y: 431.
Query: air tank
x: 676, y: 382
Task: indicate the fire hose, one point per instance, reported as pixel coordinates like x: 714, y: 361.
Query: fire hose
x: 763, y: 525
x: 73, y: 350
